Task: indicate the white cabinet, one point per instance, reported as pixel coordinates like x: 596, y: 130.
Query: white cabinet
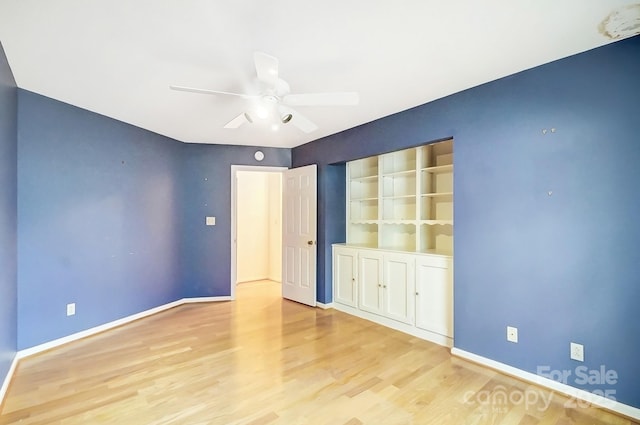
x: 434, y: 294
x: 398, y: 286
x: 410, y: 292
x: 370, y: 282
x: 345, y: 275
x: 386, y: 284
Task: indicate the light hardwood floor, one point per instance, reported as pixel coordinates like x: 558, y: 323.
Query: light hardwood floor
x: 264, y: 360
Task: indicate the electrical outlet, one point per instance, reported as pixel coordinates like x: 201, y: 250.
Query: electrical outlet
x: 71, y: 309
x: 512, y: 334
x: 577, y: 352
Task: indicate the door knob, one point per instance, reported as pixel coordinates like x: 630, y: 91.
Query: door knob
x: 309, y: 242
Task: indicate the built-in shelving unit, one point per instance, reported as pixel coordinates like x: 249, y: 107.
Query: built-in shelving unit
x: 363, y: 202
x: 403, y: 200
x: 436, y: 198
x: 397, y: 267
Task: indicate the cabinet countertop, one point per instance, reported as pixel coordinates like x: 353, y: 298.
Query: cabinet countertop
x: 429, y: 252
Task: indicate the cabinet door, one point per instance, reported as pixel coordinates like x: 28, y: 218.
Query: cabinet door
x: 398, y: 285
x: 345, y: 276
x: 370, y: 277
x: 434, y: 295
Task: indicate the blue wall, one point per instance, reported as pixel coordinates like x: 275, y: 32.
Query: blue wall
x: 206, y: 185
x: 562, y: 267
x: 8, y: 217
x: 111, y: 217
x: 99, y: 219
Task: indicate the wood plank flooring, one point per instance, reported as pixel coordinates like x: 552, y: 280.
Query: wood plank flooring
x: 264, y: 360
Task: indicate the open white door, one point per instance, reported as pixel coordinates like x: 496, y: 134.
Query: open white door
x: 299, y: 247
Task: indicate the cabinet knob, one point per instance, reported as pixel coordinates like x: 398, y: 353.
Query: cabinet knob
x: 417, y: 293
x: 384, y: 286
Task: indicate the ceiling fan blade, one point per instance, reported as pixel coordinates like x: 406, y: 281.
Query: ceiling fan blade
x: 266, y: 68
x: 322, y: 99
x: 288, y: 115
x: 239, y: 120
x: 206, y: 91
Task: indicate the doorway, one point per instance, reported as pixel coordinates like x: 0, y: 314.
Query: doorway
x: 256, y: 224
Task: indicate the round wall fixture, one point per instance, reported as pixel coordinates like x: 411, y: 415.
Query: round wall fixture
x: 259, y: 155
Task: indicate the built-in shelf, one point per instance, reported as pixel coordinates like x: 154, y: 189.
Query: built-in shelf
x: 365, y: 199
x: 399, y: 221
x: 365, y: 178
x: 391, y: 198
x: 444, y: 252
x: 402, y: 200
x: 437, y: 194
x: 437, y: 222
x: 439, y: 168
x: 364, y: 221
x: 404, y: 173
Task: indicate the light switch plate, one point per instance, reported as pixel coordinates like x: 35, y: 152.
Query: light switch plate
x: 211, y: 221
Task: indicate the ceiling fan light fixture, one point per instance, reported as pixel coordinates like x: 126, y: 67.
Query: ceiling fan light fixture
x: 270, y: 98
x: 286, y: 118
x: 273, y: 103
x: 262, y: 112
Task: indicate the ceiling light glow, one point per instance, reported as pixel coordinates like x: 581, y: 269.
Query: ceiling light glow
x: 262, y: 113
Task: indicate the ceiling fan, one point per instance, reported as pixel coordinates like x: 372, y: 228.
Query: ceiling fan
x: 276, y: 98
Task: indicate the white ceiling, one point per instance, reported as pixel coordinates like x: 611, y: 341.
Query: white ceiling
x: 118, y: 57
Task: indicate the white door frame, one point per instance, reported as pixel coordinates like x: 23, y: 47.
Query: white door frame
x: 234, y: 211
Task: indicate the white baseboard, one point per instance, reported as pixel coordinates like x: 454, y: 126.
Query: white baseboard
x: 205, y: 300
x: 324, y: 306
x: 398, y: 326
x: 550, y: 384
x: 95, y: 330
x: 92, y: 331
x: 7, y: 379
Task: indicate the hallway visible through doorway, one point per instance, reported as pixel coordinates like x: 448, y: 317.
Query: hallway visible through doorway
x: 258, y: 226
